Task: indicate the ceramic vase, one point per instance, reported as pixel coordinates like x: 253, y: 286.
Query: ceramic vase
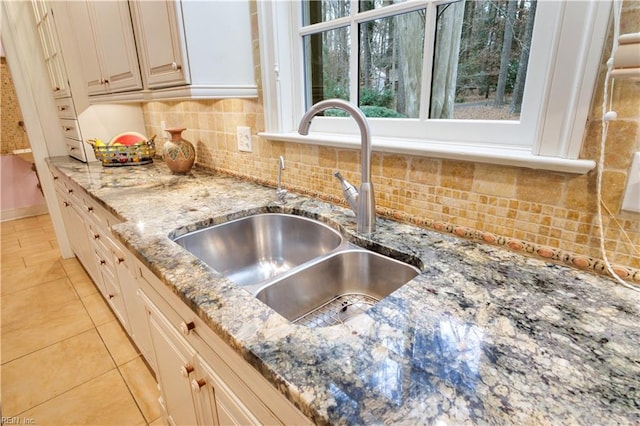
x: 178, y: 153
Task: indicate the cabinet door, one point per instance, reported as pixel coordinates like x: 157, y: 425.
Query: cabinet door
x: 79, y: 14
x: 160, y: 37
x: 224, y: 406
x: 136, y: 312
x: 105, y: 40
x: 115, y: 41
x: 51, y: 48
x: 175, y: 367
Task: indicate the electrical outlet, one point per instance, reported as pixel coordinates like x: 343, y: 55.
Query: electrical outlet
x: 243, y: 135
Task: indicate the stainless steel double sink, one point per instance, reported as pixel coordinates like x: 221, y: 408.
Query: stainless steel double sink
x: 300, y: 267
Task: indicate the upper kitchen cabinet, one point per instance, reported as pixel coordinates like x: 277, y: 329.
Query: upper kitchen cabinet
x: 194, y: 49
x: 104, y: 37
x: 51, y: 49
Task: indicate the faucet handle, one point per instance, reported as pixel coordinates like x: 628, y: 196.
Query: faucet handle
x: 349, y: 191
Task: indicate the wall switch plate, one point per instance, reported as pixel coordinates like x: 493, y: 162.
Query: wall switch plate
x: 631, y: 200
x: 243, y: 135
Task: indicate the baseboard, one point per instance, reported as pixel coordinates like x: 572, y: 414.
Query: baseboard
x: 23, y: 212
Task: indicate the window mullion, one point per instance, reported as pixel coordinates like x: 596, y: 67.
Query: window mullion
x: 427, y: 67
x: 354, y: 54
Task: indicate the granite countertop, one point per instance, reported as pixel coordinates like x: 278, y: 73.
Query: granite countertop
x: 481, y: 336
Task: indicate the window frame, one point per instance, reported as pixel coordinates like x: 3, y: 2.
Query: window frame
x: 552, y: 128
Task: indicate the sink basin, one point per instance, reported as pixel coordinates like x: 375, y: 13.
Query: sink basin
x: 260, y: 247
x: 336, y: 288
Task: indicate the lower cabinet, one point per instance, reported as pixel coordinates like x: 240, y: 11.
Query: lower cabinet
x: 202, y: 380
x: 175, y: 360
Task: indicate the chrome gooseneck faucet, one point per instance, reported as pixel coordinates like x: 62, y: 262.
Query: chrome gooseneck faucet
x: 362, y: 201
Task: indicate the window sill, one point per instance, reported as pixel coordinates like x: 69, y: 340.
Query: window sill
x: 511, y: 156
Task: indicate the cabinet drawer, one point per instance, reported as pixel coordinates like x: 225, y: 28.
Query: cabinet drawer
x: 75, y: 149
x: 71, y: 129
x: 66, y: 108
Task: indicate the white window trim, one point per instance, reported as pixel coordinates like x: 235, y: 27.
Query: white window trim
x: 555, y: 138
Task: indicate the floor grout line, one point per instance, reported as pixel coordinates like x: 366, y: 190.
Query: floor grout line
x: 50, y: 236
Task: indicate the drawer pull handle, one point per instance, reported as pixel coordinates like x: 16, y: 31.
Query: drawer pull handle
x: 186, y: 369
x: 186, y: 327
x: 196, y: 385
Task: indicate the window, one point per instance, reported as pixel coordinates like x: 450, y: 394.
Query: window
x: 419, y: 69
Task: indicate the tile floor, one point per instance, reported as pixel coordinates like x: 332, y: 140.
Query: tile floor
x: 65, y: 358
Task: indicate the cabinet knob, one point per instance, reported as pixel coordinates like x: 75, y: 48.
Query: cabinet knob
x: 66, y: 204
x: 197, y: 384
x: 96, y: 236
x: 70, y: 191
x: 102, y: 262
x: 111, y: 296
x: 56, y: 89
x: 186, y: 369
x: 175, y: 66
x: 90, y: 209
x: 186, y: 327
x: 55, y: 178
x: 120, y: 260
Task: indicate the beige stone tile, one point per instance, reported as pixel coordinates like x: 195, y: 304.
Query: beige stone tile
x: 7, y: 229
x: 158, y: 422
x: 494, y: 180
x: 34, y: 245
x: 79, y: 277
x: 540, y: 186
x: 26, y: 224
x: 40, y: 316
x: 143, y: 387
x: 104, y: 400
x: 49, y: 372
x: 457, y: 174
x: 21, y: 278
x: 71, y: 265
x: 10, y: 264
x: 98, y: 309
x: 8, y: 243
x: 41, y: 256
x: 122, y: 350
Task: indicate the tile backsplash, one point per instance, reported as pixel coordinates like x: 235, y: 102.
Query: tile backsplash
x: 547, y: 214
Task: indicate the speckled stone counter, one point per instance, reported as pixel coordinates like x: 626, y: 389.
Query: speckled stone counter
x: 481, y: 336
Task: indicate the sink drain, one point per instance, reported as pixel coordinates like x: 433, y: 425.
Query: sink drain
x: 339, y: 310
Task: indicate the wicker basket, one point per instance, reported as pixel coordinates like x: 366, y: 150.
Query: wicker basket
x: 120, y: 155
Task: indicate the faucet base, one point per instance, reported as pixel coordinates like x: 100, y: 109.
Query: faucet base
x: 366, y: 219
